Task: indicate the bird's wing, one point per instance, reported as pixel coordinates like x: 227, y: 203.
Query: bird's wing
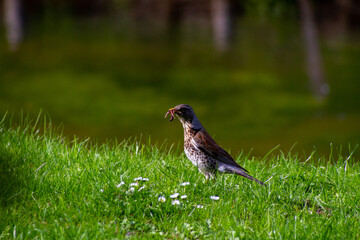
x: 204, y: 142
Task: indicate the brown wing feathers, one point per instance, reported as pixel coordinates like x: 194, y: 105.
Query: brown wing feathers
x: 206, y: 144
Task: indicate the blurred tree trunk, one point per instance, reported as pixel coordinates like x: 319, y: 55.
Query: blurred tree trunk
x: 313, y: 59
x: 341, y: 22
x: 13, y: 23
x: 174, y: 17
x: 221, y: 20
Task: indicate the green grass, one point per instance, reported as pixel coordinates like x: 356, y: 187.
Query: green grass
x: 56, y: 188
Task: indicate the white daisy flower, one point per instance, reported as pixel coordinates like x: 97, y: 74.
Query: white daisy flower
x: 183, y: 196
x: 120, y: 184
x: 215, y: 198
x: 134, y: 184
x: 199, y: 206
x: 141, y: 179
x: 175, y: 195
x: 141, y: 188
x: 101, y: 190
x: 161, y: 199
x: 175, y: 202
x: 185, y: 184
x: 132, y: 189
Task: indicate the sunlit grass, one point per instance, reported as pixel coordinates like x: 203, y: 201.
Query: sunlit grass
x: 61, y: 188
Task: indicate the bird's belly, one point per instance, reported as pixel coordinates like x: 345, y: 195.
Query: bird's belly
x: 203, y: 161
x: 192, y: 155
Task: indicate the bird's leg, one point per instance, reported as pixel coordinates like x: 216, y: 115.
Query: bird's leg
x: 206, y: 177
x: 214, y: 179
x: 209, y: 177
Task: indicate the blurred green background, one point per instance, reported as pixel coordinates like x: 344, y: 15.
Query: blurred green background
x: 112, y: 69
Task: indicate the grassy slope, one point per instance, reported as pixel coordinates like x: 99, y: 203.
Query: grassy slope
x: 55, y: 188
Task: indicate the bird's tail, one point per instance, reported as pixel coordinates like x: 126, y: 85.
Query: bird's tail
x: 241, y: 172
x: 254, y: 179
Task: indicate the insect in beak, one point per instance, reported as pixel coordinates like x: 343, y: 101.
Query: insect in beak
x: 171, y: 111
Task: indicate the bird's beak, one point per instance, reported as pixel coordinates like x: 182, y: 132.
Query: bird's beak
x: 171, y: 111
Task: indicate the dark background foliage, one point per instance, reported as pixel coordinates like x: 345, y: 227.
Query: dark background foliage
x: 258, y: 73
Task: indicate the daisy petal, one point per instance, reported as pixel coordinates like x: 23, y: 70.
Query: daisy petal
x: 175, y: 202
x: 161, y: 199
x: 215, y: 198
x: 175, y: 195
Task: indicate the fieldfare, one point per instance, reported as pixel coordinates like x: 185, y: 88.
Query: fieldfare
x: 202, y: 150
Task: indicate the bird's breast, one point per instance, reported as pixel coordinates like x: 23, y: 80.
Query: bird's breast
x: 194, y: 154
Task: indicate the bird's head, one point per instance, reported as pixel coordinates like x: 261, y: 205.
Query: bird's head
x: 184, y: 112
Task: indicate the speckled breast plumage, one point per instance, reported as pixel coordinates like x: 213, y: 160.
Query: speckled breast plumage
x: 205, y: 163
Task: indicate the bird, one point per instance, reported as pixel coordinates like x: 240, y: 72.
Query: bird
x: 202, y: 150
